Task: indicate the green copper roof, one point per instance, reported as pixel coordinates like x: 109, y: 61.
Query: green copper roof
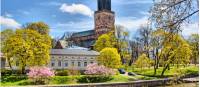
x: 84, y: 33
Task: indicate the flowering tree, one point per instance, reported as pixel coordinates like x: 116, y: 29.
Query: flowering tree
x: 40, y: 75
x: 95, y: 69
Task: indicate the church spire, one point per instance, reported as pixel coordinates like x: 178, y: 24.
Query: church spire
x: 104, y: 5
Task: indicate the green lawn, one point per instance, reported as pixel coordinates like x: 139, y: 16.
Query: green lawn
x: 60, y: 80
x: 190, y: 70
x: 144, y: 74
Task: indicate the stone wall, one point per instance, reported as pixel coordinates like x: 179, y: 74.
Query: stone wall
x: 144, y: 83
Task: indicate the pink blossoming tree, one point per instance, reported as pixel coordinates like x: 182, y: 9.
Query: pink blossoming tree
x: 40, y: 75
x: 95, y: 69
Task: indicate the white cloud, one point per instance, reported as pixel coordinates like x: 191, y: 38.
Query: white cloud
x: 191, y: 28
x: 8, y: 15
x: 131, y: 23
x: 9, y: 22
x: 77, y: 9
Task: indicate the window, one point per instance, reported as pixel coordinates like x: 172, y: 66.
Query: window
x: 79, y: 64
x: 59, y: 63
x: 91, y: 62
x: 85, y: 63
x: 66, y: 64
x: 73, y: 63
x: 52, y: 64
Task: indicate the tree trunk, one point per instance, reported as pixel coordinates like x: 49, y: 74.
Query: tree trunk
x: 164, y: 69
x: 9, y: 63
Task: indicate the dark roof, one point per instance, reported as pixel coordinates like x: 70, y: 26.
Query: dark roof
x: 84, y: 33
x: 73, y: 52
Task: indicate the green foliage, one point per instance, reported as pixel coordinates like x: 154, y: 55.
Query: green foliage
x: 102, y: 42
x: 143, y: 61
x: 6, y: 72
x: 62, y: 73
x: 40, y: 27
x: 94, y: 78
x: 28, y: 47
x: 194, y: 44
x: 110, y: 58
x: 177, y: 51
x: 13, y: 78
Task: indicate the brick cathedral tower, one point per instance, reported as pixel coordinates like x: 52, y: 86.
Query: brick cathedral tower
x: 104, y: 18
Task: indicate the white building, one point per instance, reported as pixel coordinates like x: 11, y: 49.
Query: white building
x: 72, y: 58
x: 69, y: 58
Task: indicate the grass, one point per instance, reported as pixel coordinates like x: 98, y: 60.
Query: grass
x: 144, y: 74
x: 190, y: 70
x: 60, y: 80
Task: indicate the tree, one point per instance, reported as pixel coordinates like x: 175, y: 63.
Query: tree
x: 172, y: 52
x: 156, y: 44
x: 40, y: 27
x: 5, y: 34
x: 109, y: 57
x: 28, y: 47
x: 170, y: 14
x: 143, y: 61
x: 121, y: 43
x: 194, y: 43
x: 145, y: 38
x: 102, y: 42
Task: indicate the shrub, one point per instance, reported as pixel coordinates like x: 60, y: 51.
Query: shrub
x: 143, y: 61
x: 74, y: 72
x: 61, y: 73
x: 94, y: 69
x: 40, y: 75
x: 13, y: 78
x: 94, y: 78
x: 6, y: 72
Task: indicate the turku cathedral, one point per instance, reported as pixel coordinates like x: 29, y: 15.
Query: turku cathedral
x: 104, y: 20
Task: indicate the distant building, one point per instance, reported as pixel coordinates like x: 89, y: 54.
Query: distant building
x: 72, y: 58
x: 104, y: 20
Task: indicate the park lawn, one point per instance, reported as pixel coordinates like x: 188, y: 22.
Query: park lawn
x: 189, y: 70
x: 61, y: 80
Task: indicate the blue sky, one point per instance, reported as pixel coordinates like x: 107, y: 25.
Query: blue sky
x: 77, y: 15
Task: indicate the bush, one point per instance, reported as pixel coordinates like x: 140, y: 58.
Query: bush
x: 62, y: 73
x: 13, y: 78
x: 94, y: 79
x: 6, y: 72
x: 74, y: 72
x: 40, y: 75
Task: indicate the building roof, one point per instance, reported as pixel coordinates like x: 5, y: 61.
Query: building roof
x: 74, y: 52
x: 84, y: 33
